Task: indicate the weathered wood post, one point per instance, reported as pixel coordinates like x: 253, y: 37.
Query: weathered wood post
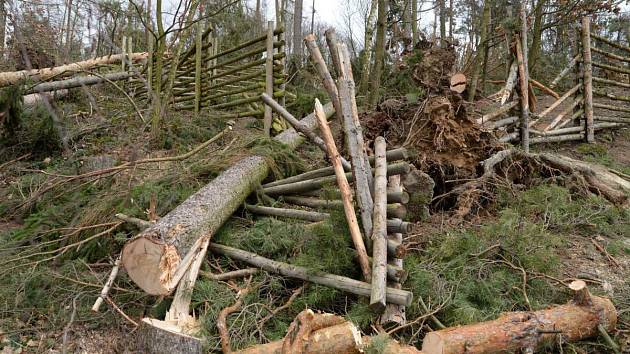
x: 269, y: 78
x: 587, y: 79
x: 379, y: 228
x: 198, y: 52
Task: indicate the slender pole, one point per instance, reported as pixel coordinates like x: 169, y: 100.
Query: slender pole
x: 344, y: 188
x: 521, y: 51
x: 198, y: 68
x: 587, y: 79
x: 124, y: 52
x: 379, y: 229
x: 269, y: 78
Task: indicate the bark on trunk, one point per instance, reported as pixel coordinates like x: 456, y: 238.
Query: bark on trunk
x: 155, y: 336
x: 157, y: 258
x: 11, y: 78
x: 516, y: 331
x: 379, y: 53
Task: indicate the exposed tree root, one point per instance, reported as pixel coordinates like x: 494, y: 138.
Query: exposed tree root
x: 514, y: 168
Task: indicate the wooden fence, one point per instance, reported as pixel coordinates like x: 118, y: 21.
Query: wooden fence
x: 229, y: 80
x: 587, y: 106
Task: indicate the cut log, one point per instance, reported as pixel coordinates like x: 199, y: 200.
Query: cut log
x: 343, y: 338
x: 394, y: 314
x: 392, y: 155
x: 564, y: 72
x: 36, y: 75
x: 295, y: 123
x: 395, y: 296
x: 524, y: 331
x: 157, y: 336
x: 503, y: 109
x: 392, y: 197
x: 379, y: 228
x: 157, y: 258
x: 559, y: 101
x: 317, y: 183
x: 396, y: 210
x: 458, y: 83
x: 344, y: 188
x: 79, y: 81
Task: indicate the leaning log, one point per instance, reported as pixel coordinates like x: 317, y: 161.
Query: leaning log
x: 394, y: 296
x: 295, y: 123
x: 525, y: 331
x: 14, y: 77
x: 157, y: 258
x: 79, y: 81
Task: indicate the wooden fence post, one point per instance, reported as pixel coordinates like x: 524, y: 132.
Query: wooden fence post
x: 198, y: 48
x: 269, y: 78
x: 587, y: 79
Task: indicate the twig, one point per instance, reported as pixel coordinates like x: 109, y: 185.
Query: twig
x: 610, y: 258
x: 230, y: 275
x: 109, y: 301
x: 295, y: 294
x: 64, y: 344
x: 142, y: 224
x: 108, y: 285
x: 222, y: 319
x: 14, y: 160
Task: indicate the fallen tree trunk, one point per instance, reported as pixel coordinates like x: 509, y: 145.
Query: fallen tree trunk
x: 79, y: 81
x: 35, y: 99
x: 14, y: 77
x: 157, y: 258
x: 395, y: 296
x: 526, y: 331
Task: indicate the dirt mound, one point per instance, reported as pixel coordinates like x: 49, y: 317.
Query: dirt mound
x: 446, y: 143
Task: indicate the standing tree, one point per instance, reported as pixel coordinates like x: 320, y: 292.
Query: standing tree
x: 366, y: 56
x: 482, y: 49
x: 379, y: 53
x: 297, y: 34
